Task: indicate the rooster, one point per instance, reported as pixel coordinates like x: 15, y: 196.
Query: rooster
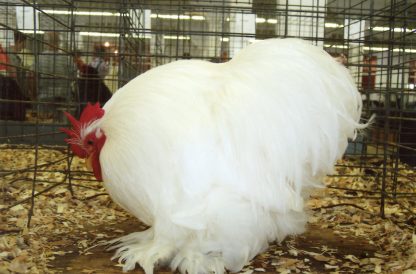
x: 216, y: 158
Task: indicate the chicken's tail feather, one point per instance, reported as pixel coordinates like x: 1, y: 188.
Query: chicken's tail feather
x: 361, y: 129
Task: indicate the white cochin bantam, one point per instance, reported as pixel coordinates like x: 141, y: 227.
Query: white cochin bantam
x: 217, y: 158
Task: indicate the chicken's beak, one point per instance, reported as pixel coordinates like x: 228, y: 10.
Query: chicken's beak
x: 88, y: 162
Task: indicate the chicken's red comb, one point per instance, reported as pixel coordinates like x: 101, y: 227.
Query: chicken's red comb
x: 91, y: 113
x: 88, y: 115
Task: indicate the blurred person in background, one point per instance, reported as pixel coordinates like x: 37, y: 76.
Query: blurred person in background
x: 111, y: 80
x: 54, y: 73
x: 79, y: 62
x: 19, y: 58
x: 4, y: 61
x: 100, y: 61
x: 13, y: 87
x: 91, y: 87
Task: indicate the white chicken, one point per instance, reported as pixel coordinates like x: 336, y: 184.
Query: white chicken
x: 216, y: 158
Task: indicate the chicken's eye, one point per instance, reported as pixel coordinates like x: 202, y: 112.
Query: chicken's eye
x: 90, y: 142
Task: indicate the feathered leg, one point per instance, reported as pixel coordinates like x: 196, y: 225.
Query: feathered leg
x: 186, y: 254
x: 190, y: 259
x: 142, y: 248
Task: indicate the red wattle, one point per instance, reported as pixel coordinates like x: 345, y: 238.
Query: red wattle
x: 96, y: 167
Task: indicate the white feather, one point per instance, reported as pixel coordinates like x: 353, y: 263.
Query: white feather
x: 216, y: 157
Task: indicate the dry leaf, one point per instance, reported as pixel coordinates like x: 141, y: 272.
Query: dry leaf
x: 19, y: 264
x: 17, y: 208
x: 88, y: 271
x: 293, y: 252
x: 321, y: 258
x: 327, y: 266
x: 352, y: 258
x: 356, y: 218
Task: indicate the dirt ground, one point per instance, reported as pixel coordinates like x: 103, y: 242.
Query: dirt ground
x: 345, y: 233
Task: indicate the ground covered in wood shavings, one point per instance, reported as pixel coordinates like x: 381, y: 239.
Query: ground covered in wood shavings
x: 345, y: 233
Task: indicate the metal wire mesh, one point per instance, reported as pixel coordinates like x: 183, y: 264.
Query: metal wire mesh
x: 49, y: 47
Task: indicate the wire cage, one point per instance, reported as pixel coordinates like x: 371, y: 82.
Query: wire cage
x: 56, y: 55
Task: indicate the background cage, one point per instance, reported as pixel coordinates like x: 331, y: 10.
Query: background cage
x: 376, y: 40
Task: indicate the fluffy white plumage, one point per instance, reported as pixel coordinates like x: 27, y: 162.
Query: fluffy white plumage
x: 216, y: 158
